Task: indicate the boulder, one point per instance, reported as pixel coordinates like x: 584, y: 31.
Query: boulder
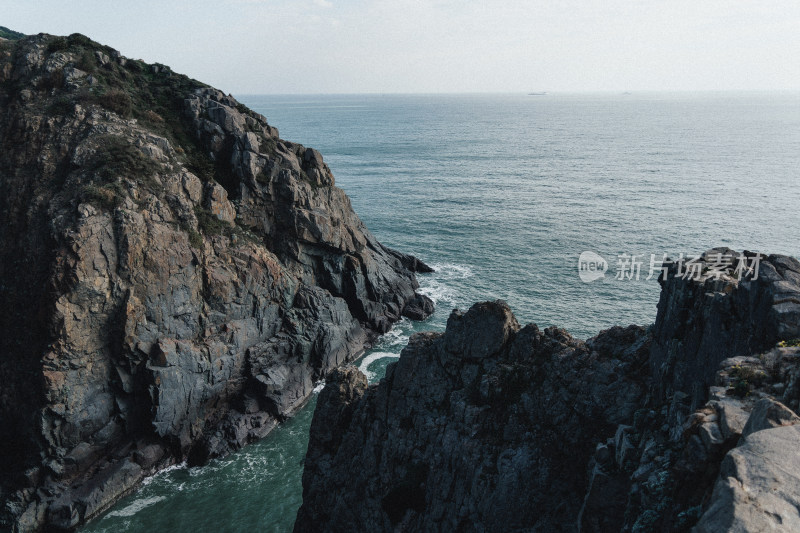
x: 419, y: 308
x: 759, y: 485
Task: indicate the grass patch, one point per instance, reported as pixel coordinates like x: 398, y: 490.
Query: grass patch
x: 61, y: 106
x: 87, y: 61
x: 789, y: 343
x: 151, y: 94
x: 116, y: 100
x: 54, y: 80
x: 209, y: 224
x: 744, y: 379
x: 153, y: 117
x: 116, y: 156
x: 57, y: 44
x: 106, y: 197
x: 747, y: 373
x: 11, y: 35
x: 133, y: 89
x: 195, y: 239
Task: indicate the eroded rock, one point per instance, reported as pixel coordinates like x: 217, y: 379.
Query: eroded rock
x: 175, y: 276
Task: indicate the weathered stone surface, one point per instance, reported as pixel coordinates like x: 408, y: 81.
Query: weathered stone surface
x: 732, y: 417
x: 768, y: 414
x: 418, y: 308
x: 493, y: 427
x: 702, y: 322
x: 759, y: 485
x: 487, y: 408
x: 175, y: 277
x: 219, y: 205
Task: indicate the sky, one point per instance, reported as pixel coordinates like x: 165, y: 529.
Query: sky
x: 443, y: 46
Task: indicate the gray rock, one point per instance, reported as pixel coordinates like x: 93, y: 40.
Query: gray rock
x: 419, y: 308
x: 493, y: 427
x: 218, y: 204
x: 483, y: 427
x: 732, y: 417
x: 768, y: 414
x: 172, y: 285
x: 759, y: 485
x: 694, y: 330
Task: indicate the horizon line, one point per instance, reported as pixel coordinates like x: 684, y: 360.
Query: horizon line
x: 620, y: 92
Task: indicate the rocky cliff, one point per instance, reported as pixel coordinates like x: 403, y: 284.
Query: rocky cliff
x: 174, y: 277
x: 491, y: 426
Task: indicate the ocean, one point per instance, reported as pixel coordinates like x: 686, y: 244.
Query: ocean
x: 501, y: 194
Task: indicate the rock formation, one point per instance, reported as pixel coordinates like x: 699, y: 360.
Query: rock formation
x: 490, y: 426
x: 174, y: 277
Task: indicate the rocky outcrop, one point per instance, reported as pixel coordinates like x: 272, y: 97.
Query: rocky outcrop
x: 495, y: 427
x: 467, y: 431
x: 175, y: 277
x: 703, y: 322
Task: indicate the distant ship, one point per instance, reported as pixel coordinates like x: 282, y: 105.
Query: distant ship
x: 537, y: 94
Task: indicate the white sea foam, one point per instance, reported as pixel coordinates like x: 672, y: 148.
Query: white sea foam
x: 319, y: 386
x: 137, y: 506
x: 371, y: 358
x: 160, y: 473
x: 438, y: 292
x: 451, y: 271
x: 438, y: 287
x: 395, y: 336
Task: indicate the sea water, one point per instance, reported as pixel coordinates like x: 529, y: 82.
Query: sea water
x: 501, y: 194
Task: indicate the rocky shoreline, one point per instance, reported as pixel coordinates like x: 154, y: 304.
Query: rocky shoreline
x: 175, y: 277
x: 688, y: 425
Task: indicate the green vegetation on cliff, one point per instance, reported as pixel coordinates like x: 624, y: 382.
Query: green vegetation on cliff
x: 11, y: 35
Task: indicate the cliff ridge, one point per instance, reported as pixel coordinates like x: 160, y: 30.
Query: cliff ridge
x: 175, y: 277
x: 491, y: 426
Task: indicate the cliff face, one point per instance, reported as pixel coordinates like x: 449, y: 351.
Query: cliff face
x: 174, y: 277
x: 494, y: 427
x: 701, y: 324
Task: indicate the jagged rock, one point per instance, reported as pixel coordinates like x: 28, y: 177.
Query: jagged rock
x: 704, y: 321
x: 175, y: 276
x: 493, y: 427
x: 419, y: 308
x: 759, y: 485
x: 219, y: 205
x: 732, y: 418
x: 768, y: 414
x: 487, y: 408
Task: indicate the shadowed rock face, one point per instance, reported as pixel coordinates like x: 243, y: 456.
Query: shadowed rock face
x: 468, y: 431
x: 494, y: 427
x: 174, y: 277
x: 701, y: 323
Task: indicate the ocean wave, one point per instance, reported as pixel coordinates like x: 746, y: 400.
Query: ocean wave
x: 371, y: 358
x: 161, y: 473
x: 397, y: 336
x: 439, y: 292
x: 137, y: 506
x: 437, y: 286
x: 451, y: 271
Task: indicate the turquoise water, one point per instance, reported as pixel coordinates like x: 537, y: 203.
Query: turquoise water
x: 501, y: 194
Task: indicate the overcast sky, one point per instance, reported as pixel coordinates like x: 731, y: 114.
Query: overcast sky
x: 391, y: 46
